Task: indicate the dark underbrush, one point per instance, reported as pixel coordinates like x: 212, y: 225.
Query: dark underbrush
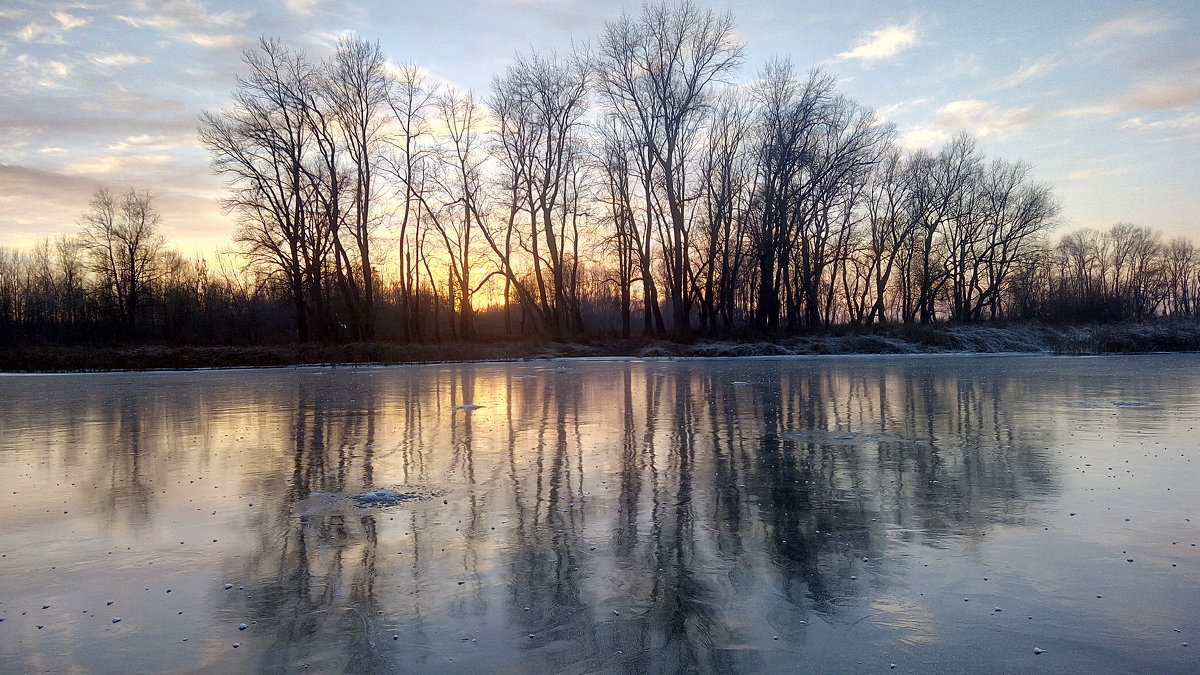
x: 990, y: 338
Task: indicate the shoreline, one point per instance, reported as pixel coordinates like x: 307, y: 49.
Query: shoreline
x: 895, y: 340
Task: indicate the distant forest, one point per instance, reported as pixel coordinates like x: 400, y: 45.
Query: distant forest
x: 634, y: 186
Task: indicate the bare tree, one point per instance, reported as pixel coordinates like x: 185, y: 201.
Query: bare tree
x: 357, y: 85
x: 463, y: 211
x: 411, y: 100
x: 538, y: 106
x: 726, y: 178
x: 123, y: 245
x: 261, y: 146
x: 655, y: 74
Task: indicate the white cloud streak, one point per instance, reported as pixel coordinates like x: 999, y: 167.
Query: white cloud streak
x: 1027, y: 73
x: 985, y: 119
x: 883, y: 44
x: 118, y: 60
x: 302, y: 8
x: 189, y: 20
x: 1125, y: 27
x: 1162, y: 95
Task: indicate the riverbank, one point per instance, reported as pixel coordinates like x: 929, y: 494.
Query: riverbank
x: 990, y: 338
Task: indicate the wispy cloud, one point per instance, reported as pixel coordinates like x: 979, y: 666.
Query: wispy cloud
x: 1085, y: 111
x: 103, y: 166
x: 159, y: 143
x: 1027, y: 73
x: 1161, y: 95
x: 67, y: 21
x: 50, y: 31
x: 883, y: 44
x: 189, y: 20
x: 889, y: 111
x: 985, y: 119
x: 302, y: 8
x: 1092, y: 174
x: 25, y: 72
x: 1126, y: 26
x: 1180, y: 123
x: 118, y: 60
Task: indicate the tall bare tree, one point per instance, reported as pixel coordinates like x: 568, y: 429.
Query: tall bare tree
x: 356, y: 86
x: 538, y: 106
x: 261, y: 146
x: 121, y: 238
x: 656, y: 73
x: 412, y: 99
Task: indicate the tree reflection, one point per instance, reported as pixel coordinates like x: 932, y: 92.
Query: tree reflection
x: 652, y: 516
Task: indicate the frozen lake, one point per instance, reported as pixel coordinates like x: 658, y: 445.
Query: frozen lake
x: 939, y: 513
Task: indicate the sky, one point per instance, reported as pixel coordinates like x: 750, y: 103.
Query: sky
x: 1102, y: 98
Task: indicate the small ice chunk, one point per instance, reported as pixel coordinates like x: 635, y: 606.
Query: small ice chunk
x: 1039, y: 650
x: 242, y: 626
x: 382, y: 497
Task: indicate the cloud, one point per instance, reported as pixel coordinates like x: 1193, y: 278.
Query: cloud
x: 45, y: 203
x: 67, y: 21
x: 1092, y: 174
x: 25, y: 73
x: 1162, y: 95
x: 882, y: 44
x: 889, y: 111
x: 49, y: 32
x: 1125, y: 27
x: 984, y: 119
x: 1159, y: 95
x: 924, y: 136
x: 33, y: 31
x: 155, y: 142
x: 1084, y: 111
x: 189, y: 20
x: 118, y: 60
x: 1029, y: 72
x: 1183, y: 122
x: 302, y: 8
x: 108, y: 164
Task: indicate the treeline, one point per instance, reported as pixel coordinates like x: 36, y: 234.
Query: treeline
x: 632, y: 185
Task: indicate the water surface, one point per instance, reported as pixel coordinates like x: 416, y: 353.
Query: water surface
x: 938, y: 513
